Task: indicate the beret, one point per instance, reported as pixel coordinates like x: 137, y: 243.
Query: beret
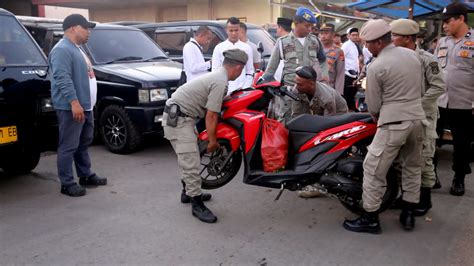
x: 374, y: 29
x: 404, y: 27
x: 306, y: 14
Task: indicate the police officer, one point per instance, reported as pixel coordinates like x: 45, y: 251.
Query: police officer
x: 334, y: 57
x: 404, y: 33
x: 199, y: 98
x: 455, y: 53
x: 283, y: 26
x: 298, y: 48
x: 317, y: 98
x: 394, y: 81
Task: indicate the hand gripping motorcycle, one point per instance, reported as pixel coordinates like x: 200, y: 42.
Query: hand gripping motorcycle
x: 326, y: 152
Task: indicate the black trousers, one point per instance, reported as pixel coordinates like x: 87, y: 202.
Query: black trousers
x: 460, y: 122
x: 350, y: 92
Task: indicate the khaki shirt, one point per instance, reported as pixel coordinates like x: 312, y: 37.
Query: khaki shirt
x: 325, y: 101
x: 204, y: 93
x: 293, y: 54
x: 457, y: 62
x: 395, y: 86
x: 336, y: 68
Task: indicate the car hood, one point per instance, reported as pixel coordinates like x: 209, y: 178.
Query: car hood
x: 143, y: 71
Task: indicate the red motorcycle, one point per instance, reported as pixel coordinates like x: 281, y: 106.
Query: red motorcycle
x: 326, y: 152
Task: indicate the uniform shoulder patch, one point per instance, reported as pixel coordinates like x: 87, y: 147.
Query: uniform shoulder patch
x: 434, y: 68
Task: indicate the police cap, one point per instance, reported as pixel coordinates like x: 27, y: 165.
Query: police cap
x: 236, y: 55
x: 374, y: 29
x: 306, y: 15
x: 327, y: 27
x: 405, y: 27
x: 284, y: 22
x: 453, y: 9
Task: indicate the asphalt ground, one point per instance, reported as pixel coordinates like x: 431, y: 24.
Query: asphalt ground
x: 137, y: 219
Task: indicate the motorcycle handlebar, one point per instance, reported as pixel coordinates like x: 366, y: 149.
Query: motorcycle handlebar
x: 294, y: 96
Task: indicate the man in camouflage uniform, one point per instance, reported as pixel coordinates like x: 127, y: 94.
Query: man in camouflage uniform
x: 334, y: 58
x: 404, y: 33
x: 299, y: 48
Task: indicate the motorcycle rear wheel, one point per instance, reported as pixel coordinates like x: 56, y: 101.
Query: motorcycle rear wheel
x: 390, y: 195
x: 211, y: 163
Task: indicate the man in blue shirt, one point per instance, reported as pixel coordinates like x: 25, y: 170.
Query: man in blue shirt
x: 74, y: 92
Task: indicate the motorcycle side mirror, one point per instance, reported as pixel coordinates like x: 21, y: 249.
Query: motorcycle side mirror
x: 260, y: 47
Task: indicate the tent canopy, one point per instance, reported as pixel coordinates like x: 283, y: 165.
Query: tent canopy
x: 400, y: 9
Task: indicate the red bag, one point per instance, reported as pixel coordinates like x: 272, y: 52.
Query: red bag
x: 274, y: 145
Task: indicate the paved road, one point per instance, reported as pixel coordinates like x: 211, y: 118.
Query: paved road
x: 137, y: 219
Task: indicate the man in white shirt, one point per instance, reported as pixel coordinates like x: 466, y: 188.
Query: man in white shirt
x: 257, y: 58
x: 233, y: 42
x: 193, y: 60
x: 351, y: 54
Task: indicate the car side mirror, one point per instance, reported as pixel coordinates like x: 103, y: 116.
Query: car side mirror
x: 260, y: 47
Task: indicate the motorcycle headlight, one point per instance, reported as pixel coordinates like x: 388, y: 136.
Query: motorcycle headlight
x: 158, y: 95
x: 47, y: 105
x: 144, y: 96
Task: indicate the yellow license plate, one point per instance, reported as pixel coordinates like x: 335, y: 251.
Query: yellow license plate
x: 8, y: 134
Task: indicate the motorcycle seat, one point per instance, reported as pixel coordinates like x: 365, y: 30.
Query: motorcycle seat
x: 316, y: 123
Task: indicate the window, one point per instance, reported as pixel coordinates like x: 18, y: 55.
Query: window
x: 16, y: 46
x: 260, y: 35
x: 171, y: 42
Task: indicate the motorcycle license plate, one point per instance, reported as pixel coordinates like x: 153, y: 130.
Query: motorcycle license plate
x: 8, y: 134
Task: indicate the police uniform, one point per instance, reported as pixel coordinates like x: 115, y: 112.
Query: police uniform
x: 434, y: 87
x: 194, y: 99
x: 336, y: 63
x: 394, y: 81
x: 325, y: 101
x: 456, y: 59
x: 289, y: 49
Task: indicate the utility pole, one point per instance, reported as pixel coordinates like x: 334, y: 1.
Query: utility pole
x: 411, y: 9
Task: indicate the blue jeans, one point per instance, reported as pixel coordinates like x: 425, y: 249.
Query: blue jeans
x: 74, y: 140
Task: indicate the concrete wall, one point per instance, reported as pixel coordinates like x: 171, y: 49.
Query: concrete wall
x: 253, y: 11
x: 63, y: 12
x: 19, y: 7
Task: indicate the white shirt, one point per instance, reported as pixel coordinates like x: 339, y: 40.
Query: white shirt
x: 193, y: 60
x: 256, y: 55
x: 351, y: 55
x: 92, y: 80
x: 302, y: 40
x: 367, y: 54
x: 246, y: 77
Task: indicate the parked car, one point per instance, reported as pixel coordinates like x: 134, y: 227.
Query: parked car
x: 172, y: 36
x: 134, y: 80
x: 28, y: 123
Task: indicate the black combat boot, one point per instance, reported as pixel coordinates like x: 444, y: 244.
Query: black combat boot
x: 201, y: 211
x: 407, y: 217
x: 187, y: 199
x: 397, y: 203
x: 425, y: 202
x: 457, y: 189
x: 368, y: 222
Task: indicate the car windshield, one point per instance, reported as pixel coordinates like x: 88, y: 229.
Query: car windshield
x: 112, y: 45
x: 260, y: 35
x: 16, y: 46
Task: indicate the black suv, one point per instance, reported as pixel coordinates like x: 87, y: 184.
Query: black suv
x: 28, y: 123
x: 134, y: 80
x: 172, y: 36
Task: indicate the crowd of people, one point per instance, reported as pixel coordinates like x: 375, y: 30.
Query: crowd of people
x: 407, y: 91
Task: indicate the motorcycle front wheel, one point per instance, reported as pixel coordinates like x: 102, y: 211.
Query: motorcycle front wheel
x: 214, y: 174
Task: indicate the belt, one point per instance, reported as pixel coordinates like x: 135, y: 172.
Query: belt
x: 167, y: 108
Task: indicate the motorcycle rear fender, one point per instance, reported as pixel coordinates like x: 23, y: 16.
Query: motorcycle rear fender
x: 224, y: 131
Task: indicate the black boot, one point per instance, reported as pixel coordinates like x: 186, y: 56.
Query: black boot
x: 397, y: 203
x: 407, y: 217
x: 200, y: 211
x: 425, y: 202
x: 368, y: 222
x: 187, y: 199
x: 437, y: 184
x: 457, y: 189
